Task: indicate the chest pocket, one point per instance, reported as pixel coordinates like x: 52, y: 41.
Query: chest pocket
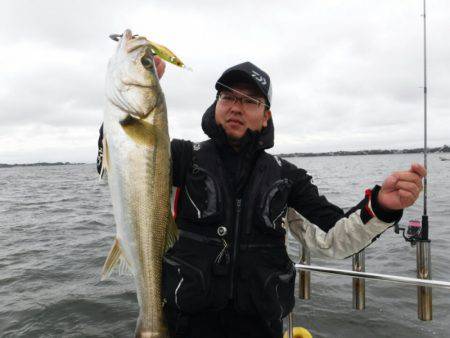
x: 273, y: 205
x: 202, y: 198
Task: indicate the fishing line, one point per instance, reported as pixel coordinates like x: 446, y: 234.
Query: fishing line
x: 241, y: 93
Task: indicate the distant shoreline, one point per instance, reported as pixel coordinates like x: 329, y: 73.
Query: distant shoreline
x: 38, y: 164
x: 444, y: 149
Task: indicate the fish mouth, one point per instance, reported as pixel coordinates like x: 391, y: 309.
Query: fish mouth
x: 135, y: 84
x: 131, y: 43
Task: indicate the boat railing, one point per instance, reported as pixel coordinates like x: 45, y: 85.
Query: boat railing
x: 424, y: 283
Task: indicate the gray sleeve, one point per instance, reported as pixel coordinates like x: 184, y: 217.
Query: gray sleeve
x: 348, y: 236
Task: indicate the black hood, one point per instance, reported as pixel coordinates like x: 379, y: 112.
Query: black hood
x: 260, y: 140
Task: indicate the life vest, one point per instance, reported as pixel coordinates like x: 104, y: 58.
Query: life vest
x: 231, y: 247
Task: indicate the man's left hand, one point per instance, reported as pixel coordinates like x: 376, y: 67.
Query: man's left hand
x: 401, y: 189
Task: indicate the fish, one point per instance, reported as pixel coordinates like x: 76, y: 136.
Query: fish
x: 137, y: 160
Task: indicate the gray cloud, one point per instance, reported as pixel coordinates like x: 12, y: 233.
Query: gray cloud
x: 346, y: 74
x: 58, y: 96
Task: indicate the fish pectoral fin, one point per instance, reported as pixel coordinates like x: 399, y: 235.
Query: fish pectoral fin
x: 171, y: 234
x: 139, y: 131
x: 116, y: 258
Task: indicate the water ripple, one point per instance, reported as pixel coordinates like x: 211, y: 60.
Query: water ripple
x: 56, y: 228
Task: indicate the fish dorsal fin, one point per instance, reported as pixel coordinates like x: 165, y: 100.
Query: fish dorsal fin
x: 116, y: 258
x: 105, y: 159
x: 171, y: 234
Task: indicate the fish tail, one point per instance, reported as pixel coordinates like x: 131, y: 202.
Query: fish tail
x: 142, y: 332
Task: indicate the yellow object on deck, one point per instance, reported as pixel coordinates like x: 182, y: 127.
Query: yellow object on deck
x: 299, y: 332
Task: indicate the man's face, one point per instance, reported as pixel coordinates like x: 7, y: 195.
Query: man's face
x: 235, y: 118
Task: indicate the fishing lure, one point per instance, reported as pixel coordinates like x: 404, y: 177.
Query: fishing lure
x: 159, y: 50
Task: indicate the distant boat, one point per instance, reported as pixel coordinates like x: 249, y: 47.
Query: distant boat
x: 444, y: 158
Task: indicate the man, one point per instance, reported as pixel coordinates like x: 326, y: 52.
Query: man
x: 229, y: 275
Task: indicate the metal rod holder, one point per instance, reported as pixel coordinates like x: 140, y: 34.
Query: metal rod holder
x: 359, y: 284
x: 304, y: 280
x: 291, y: 326
x: 424, y: 294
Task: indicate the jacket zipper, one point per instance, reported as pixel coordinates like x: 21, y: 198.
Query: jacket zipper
x: 235, y: 244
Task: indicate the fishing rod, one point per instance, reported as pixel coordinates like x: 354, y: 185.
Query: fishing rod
x: 423, y: 252
x: 417, y: 233
x: 425, y: 92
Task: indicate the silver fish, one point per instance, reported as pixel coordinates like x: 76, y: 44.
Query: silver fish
x: 137, y: 162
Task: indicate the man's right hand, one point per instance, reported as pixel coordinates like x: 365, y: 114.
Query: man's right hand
x: 160, y: 66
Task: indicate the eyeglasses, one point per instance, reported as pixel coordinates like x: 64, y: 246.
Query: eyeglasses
x: 248, y: 103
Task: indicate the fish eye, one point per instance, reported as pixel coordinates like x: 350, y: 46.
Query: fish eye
x: 147, y: 63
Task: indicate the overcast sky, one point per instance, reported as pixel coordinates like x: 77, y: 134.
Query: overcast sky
x: 346, y: 75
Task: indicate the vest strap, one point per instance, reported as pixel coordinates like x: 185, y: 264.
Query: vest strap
x: 199, y: 238
x: 261, y: 246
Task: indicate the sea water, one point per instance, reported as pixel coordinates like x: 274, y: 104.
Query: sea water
x: 56, y: 228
